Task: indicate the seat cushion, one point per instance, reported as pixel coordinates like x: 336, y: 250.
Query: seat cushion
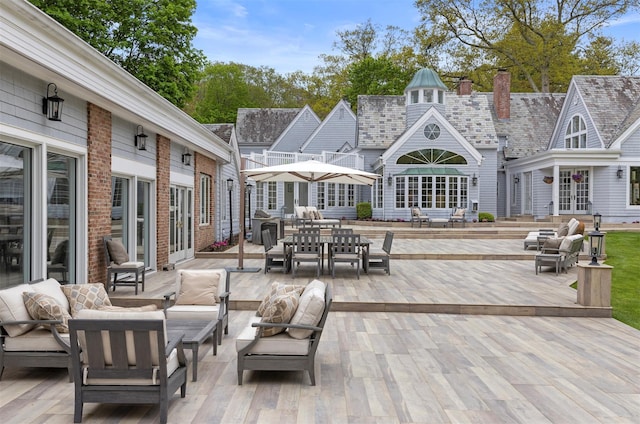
x: 280, y: 344
x: 127, y: 265
x: 117, y: 251
x: 198, y: 288
x: 194, y: 312
x: 309, y: 310
x: 12, y: 309
x: 38, y: 340
x: 42, y: 306
x: 85, y: 296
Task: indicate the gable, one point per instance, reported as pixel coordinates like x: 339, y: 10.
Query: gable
x: 297, y: 132
x: 338, y: 128
x: 262, y: 126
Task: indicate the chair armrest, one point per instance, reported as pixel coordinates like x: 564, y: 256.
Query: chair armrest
x: 176, y: 344
x: 286, y: 325
x: 167, y: 299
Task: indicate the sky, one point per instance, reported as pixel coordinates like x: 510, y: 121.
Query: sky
x: 290, y: 35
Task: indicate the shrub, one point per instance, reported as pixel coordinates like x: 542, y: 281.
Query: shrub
x: 363, y: 210
x: 485, y: 217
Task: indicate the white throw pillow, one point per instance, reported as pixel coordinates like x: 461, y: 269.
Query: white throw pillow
x: 12, y: 309
x: 51, y: 287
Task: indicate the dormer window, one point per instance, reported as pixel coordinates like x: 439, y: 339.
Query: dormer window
x: 428, y: 95
x: 415, y: 96
x: 576, y: 134
x: 441, y: 97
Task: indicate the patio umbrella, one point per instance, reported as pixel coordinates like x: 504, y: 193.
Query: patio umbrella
x: 311, y: 171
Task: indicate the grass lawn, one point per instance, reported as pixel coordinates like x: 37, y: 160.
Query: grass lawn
x: 622, y: 251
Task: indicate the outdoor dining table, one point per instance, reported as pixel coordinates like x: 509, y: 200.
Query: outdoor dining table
x: 327, y: 240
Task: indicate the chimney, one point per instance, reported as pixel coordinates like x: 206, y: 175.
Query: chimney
x: 464, y: 86
x: 502, y: 94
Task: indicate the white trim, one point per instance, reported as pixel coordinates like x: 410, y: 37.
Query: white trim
x: 130, y: 168
x: 179, y: 179
x: 443, y: 122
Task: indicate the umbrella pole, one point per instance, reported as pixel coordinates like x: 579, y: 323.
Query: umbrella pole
x: 240, y: 267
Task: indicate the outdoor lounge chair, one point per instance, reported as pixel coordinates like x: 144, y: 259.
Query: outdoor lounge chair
x: 561, y: 257
x: 418, y: 217
x: 382, y: 258
x: 458, y: 215
x: 124, y: 358
x: 275, y: 258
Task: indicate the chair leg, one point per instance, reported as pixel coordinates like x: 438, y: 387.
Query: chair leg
x: 77, y: 410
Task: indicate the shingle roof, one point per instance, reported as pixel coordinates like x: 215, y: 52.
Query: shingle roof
x: 223, y: 131
x: 532, y: 121
x: 381, y: 120
x: 471, y: 116
x: 612, y: 102
x: 263, y: 126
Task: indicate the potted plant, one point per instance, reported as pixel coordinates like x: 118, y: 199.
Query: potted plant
x: 547, y: 179
x: 577, y: 178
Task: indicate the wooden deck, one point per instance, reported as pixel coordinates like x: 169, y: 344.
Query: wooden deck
x: 481, y: 361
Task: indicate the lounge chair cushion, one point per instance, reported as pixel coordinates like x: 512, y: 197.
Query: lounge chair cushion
x: 309, y: 310
x: 278, y: 289
x: 198, y: 288
x: 563, y: 230
x: 194, y: 312
x: 37, y: 340
x: 12, y: 309
x: 280, y: 344
x: 280, y: 309
x: 552, y: 243
x: 573, y: 226
x: 51, y: 287
x: 42, y: 306
x: 566, y: 241
x: 117, y: 251
x: 85, y: 296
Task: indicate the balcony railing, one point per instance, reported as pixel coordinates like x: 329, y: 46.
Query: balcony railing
x: 272, y: 158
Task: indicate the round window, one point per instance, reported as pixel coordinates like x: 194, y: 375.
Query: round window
x: 432, y: 131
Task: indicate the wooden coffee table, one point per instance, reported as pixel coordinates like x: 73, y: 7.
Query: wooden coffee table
x: 194, y: 333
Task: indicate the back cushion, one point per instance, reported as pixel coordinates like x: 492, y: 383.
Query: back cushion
x: 198, y: 288
x: 573, y: 226
x: 117, y: 251
x: 310, y: 309
x: 12, y: 309
x: 278, y: 289
x: 51, y: 287
x: 220, y: 286
x: 563, y: 230
x: 85, y: 296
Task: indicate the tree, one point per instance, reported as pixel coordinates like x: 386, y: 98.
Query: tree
x: 534, y: 38
x: 376, y: 76
x: 151, y: 39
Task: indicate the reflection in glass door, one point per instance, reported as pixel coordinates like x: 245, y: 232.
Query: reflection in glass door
x: 180, y: 224
x: 528, y: 195
x: 574, y: 191
x: 143, y: 218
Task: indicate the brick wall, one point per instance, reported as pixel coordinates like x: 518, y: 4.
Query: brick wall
x: 502, y: 94
x: 163, y: 169
x: 204, y: 234
x: 99, y: 189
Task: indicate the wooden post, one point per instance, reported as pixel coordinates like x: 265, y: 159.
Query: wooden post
x: 594, y: 285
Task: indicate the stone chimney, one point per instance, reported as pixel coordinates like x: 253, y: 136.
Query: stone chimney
x: 464, y: 86
x: 502, y: 94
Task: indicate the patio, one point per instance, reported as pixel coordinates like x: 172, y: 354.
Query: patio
x: 381, y: 366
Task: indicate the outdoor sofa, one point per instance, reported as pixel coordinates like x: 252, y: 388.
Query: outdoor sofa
x: 310, y: 216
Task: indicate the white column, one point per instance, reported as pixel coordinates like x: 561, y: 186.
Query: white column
x: 555, y: 194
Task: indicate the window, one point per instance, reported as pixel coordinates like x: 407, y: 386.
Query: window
x: 441, y: 96
x: 378, y: 189
x: 119, y: 209
x: 432, y: 131
x: 205, y: 199
x: 341, y: 199
x: 414, y: 97
x: 428, y: 95
x: 273, y: 195
x: 331, y: 195
x: 431, y: 156
x: 634, y: 185
x: 351, y: 195
x: 259, y: 195
x: 320, y: 198
x: 432, y: 191
x: 576, y: 134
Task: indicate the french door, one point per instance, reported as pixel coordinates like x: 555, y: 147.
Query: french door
x: 181, y: 224
x: 574, y: 191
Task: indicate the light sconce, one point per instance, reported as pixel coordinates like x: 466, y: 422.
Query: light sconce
x: 140, y: 138
x: 597, y: 221
x: 595, y: 246
x: 516, y: 179
x: 619, y: 173
x: 230, y: 184
x: 186, y: 158
x: 474, y: 180
x: 389, y: 180
x: 52, y: 105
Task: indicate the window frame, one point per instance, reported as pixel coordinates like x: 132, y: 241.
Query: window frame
x: 205, y: 200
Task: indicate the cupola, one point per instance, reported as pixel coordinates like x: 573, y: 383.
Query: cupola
x: 425, y: 90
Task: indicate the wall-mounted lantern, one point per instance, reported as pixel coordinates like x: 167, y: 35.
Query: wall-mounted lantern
x: 140, y: 138
x: 52, y: 105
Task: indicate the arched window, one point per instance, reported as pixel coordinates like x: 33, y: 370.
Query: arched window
x: 432, y: 157
x: 576, y: 134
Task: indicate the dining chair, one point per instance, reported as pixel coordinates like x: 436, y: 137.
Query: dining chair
x: 381, y: 258
x: 341, y: 231
x: 275, y: 258
x: 306, y: 248
x: 345, y: 248
x: 118, y: 262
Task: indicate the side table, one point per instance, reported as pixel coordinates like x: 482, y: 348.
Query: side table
x: 548, y: 259
x: 193, y: 333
